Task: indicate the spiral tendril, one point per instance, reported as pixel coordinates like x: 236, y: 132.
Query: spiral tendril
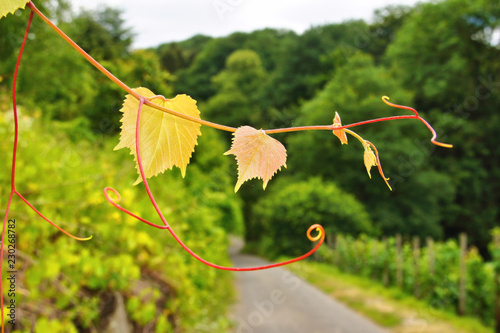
x: 319, y: 229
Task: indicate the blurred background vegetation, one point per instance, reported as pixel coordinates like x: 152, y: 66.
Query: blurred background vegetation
x: 441, y: 57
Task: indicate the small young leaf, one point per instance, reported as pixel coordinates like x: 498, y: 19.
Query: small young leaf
x: 10, y: 6
x: 339, y: 133
x: 165, y: 140
x: 369, y: 158
x: 258, y: 155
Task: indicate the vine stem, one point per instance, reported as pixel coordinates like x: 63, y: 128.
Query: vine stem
x: 14, y: 156
x: 122, y: 85
x: 319, y: 237
x: 13, y: 190
x: 147, y: 102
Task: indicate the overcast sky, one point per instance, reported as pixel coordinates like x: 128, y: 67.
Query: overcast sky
x: 160, y: 21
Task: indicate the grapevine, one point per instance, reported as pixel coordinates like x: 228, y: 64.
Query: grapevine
x: 258, y: 154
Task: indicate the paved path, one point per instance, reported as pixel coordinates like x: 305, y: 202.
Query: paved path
x: 277, y: 301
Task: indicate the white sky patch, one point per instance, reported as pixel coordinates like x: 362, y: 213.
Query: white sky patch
x: 495, y: 37
x: 160, y: 21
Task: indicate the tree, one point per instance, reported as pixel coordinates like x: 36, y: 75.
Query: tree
x: 102, y: 33
x: 381, y: 33
x: 298, y: 73
x: 238, y: 90
x: 212, y: 58
x: 176, y: 56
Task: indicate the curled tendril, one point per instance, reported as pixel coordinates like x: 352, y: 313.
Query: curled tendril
x: 385, y: 99
x: 319, y: 236
x: 114, y: 201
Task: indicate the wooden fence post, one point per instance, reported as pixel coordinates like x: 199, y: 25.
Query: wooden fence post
x: 463, y: 274
x: 385, y: 273
x: 374, y: 257
x: 416, y: 257
x: 332, y: 241
x: 430, y: 254
x: 496, y: 242
x: 355, y: 254
x: 399, y: 261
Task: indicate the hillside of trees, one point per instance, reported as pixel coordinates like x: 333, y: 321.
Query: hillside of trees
x: 441, y: 58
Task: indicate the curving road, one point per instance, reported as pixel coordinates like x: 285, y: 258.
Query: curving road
x: 277, y: 301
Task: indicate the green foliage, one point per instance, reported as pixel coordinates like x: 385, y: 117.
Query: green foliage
x: 448, y: 43
x: 56, y: 326
x: 211, y: 59
x: 238, y: 86
x: 299, y: 73
x: 176, y: 56
x: 387, y: 22
x: 285, y: 214
x: 101, y: 33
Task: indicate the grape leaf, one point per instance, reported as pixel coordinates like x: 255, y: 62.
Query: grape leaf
x: 369, y: 158
x: 165, y: 140
x: 257, y: 154
x: 10, y: 6
x: 339, y: 133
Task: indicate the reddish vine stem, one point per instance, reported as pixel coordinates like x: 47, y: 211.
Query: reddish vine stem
x: 122, y: 85
x: 14, y: 156
x: 320, y: 237
x: 13, y: 190
x: 129, y: 90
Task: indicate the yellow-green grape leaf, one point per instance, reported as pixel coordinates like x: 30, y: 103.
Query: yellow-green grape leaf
x: 10, y: 6
x: 339, y: 133
x: 369, y: 158
x: 258, y: 155
x: 165, y: 140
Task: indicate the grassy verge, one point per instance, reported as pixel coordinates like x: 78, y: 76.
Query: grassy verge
x: 389, y: 307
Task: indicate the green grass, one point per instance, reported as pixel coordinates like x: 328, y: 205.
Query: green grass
x: 389, y: 307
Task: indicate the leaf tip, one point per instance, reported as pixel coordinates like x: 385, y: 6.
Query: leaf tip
x: 10, y: 7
